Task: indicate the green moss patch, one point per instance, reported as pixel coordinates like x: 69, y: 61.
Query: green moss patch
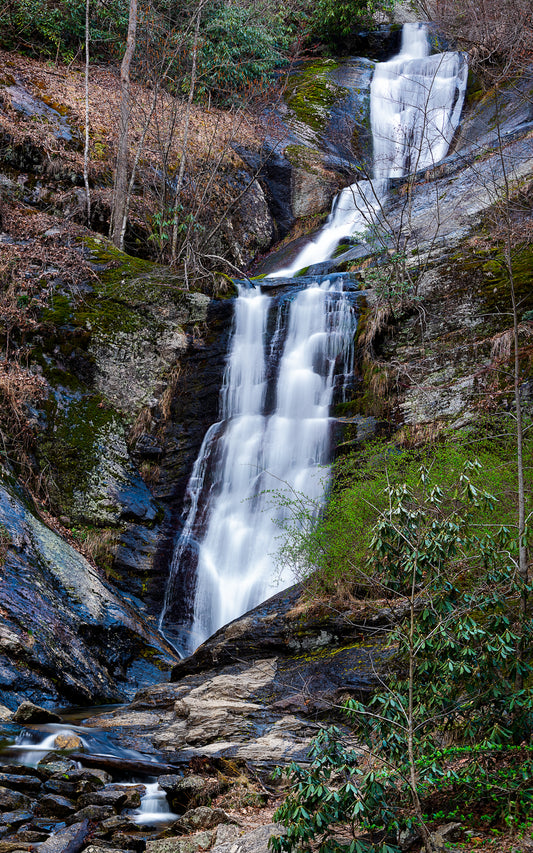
x: 71, y: 447
x: 311, y: 93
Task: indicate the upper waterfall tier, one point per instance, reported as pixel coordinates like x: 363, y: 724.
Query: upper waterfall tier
x: 415, y: 106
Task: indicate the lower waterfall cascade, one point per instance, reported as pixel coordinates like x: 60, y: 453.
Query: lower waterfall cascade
x: 290, y: 356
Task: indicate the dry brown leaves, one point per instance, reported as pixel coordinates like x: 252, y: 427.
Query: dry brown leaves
x: 62, y: 87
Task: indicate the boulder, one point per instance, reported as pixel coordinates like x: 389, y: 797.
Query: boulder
x: 26, y: 783
x: 68, y: 742
x: 10, y: 800
x: 132, y: 794
x: 312, y: 193
x: 69, y: 840
x: 27, y: 712
x: 16, y: 818
x: 202, y: 817
x: 56, y: 806
x: 52, y: 765
x: 114, y: 798
x: 94, y: 813
x: 186, y: 791
x: 256, y: 841
x: 198, y: 841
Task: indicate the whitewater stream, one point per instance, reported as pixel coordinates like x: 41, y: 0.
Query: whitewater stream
x: 37, y: 741
x: 290, y: 356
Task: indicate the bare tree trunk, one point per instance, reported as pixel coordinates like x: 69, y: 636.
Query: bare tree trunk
x: 522, y: 546
x: 426, y: 836
x: 86, y: 148
x: 119, y: 213
x: 181, y: 172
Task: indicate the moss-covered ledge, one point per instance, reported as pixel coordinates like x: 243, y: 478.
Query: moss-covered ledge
x: 115, y: 352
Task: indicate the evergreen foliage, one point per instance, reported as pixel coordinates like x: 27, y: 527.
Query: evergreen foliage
x: 448, y: 724
x: 241, y: 43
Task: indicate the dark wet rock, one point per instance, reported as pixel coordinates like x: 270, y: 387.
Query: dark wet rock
x: 11, y: 800
x: 53, y: 765
x: 131, y: 793
x: 23, y: 783
x: 23, y: 770
x: 46, y: 824
x: 55, y: 805
x: 73, y: 784
x: 128, y: 841
x: 68, y: 840
x: 94, y: 813
x: 64, y: 787
x: 27, y: 712
x: 114, y: 798
x: 77, y: 627
x: 184, y: 792
x: 114, y: 824
x: 31, y: 836
x: 16, y: 818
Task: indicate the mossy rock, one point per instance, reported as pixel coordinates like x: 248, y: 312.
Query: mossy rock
x: 311, y: 93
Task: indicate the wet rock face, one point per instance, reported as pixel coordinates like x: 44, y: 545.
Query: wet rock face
x: 59, y: 617
x: 133, y: 365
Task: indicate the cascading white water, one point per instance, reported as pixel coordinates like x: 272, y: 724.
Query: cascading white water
x: 274, y: 428
x: 233, y: 528
x: 154, y: 806
x: 415, y: 107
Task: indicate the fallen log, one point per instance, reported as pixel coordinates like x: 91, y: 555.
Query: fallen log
x: 125, y: 765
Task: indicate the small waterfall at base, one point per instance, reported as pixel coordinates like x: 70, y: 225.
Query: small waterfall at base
x: 274, y: 431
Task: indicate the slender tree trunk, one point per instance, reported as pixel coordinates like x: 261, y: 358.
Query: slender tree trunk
x: 86, y: 148
x: 522, y: 546
x: 428, y: 843
x: 119, y: 213
x: 181, y: 171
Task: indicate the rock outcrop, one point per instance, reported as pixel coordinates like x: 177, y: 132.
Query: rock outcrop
x: 66, y: 637
x: 254, y: 691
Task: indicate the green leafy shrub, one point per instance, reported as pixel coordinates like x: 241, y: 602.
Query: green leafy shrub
x: 332, y: 21
x: 454, y: 594
x: 57, y: 27
x: 238, y: 48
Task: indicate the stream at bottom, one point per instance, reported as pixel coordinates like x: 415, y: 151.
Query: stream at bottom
x: 55, y: 775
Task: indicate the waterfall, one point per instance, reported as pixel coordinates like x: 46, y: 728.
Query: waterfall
x: 273, y: 437
x: 274, y: 428
x: 415, y: 106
